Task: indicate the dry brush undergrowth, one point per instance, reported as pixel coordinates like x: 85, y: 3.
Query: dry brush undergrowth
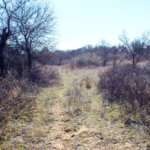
x: 71, y: 115
x: 18, y: 99
x: 128, y: 87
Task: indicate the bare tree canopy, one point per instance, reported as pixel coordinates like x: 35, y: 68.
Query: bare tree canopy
x: 136, y: 46
x: 27, y: 25
x: 35, y: 24
x: 7, y: 10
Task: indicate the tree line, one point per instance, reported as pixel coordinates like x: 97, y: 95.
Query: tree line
x: 101, y: 54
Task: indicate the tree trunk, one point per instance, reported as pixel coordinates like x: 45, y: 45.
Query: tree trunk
x: 104, y: 60
x: 29, y: 60
x: 4, y: 37
x: 114, y: 59
x: 2, y: 62
x: 133, y: 59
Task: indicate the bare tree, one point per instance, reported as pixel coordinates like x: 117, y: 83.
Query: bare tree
x: 35, y: 26
x: 136, y: 47
x: 123, y: 38
x: 114, y: 55
x: 104, y: 48
x: 7, y: 10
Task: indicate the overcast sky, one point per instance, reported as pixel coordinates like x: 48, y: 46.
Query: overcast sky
x: 83, y: 22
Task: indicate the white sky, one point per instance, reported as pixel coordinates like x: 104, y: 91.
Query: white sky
x: 83, y: 22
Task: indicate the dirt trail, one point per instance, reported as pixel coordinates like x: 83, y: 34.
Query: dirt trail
x: 57, y: 129
x: 66, y: 130
x: 63, y: 130
x: 61, y: 133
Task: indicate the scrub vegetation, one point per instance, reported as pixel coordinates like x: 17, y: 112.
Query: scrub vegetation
x: 94, y: 97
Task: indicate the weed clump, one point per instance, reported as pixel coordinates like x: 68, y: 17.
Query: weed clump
x: 74, y: 101
x: 88, y: 83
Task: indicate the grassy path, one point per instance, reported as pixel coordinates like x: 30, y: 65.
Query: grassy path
x: 54, y: 127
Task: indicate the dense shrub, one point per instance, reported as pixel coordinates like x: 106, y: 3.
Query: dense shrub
x: 44, y: 75
x: 129, y: 87
x: 125, y: 84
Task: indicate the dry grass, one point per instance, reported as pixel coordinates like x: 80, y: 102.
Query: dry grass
x: 105, y: 120
x: 52, y: 127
